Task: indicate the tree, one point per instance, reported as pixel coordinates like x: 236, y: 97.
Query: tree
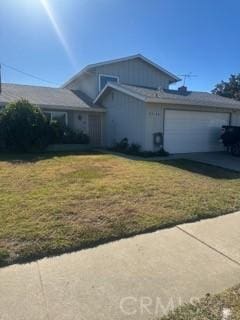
x: 230, y: 88
x: 23, y: 127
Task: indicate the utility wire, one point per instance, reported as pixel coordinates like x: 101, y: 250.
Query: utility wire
x: 27, y: 74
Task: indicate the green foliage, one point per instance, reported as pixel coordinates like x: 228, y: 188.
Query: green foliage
x: 55, y: 132
x: 23, y: 127
x: 121, y: 146
x: 135, y: 149
x: 4, y: 255
x: 159, y: 153
x: 65, y: 135
x: 230, y: 88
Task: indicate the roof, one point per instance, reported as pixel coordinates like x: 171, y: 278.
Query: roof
x: 136, y: 56
x: 47, y: 97
x: 168, y: 96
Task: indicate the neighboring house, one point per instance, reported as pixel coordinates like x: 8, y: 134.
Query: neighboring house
x: 130, y: 97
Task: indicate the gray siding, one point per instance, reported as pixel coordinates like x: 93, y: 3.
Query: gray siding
x: 87, y: 83
x: 78, y: 121
x: 125, y: 118
x: 154, y: 123
x: 133, y: 72
x: 236, y: 118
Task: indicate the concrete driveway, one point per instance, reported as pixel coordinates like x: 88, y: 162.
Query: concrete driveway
x: 219, y: 159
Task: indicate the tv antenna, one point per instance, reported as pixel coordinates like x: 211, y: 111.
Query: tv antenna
x: 187, y: 76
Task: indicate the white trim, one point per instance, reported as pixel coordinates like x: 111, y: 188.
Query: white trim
x: 60, y: 108
x: 105, y: 75
x: 140, y: 56
x: 192, y: 103
x: 118, y: 88
x: 69, y: 108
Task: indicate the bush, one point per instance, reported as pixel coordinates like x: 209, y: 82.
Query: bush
x: 4, y: 256
x: 122, y: 145
x: 23, y: 127
x: 65, y: 135
x: 135, y: 149
x: 55, y: 132
x: 159, y: 153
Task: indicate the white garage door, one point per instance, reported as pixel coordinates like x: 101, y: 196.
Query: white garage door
x: 193, y: 131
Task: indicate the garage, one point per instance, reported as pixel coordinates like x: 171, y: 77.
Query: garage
x: 193, y: 131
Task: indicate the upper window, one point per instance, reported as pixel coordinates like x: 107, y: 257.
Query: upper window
x: 104, y: 79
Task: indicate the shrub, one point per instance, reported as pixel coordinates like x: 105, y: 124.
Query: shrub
x: 159, y: 153
x: 65, y: 135
x: 4, y: 255
x: 122, y: 145
x: 82, y: 138
x: 23, y: 127
x: 135, y: 149
x: 70, y: 136
x: 55, y: 132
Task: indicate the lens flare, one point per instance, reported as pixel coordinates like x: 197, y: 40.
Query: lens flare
x: 58, y: 31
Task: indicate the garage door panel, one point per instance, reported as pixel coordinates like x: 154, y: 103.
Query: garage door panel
x: 193, y: 131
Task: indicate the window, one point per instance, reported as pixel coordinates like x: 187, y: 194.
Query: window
x: 48, y: 115
x: 59, y: 116
x: 104, y: 79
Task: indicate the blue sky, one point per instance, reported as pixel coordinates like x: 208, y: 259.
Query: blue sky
x: 182, y: 36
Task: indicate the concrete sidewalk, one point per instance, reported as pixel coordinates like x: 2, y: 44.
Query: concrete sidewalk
x: 136, y: 278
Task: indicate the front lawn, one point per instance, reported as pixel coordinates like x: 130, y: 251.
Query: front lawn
x: 55, y: 203
x: 224, y: 306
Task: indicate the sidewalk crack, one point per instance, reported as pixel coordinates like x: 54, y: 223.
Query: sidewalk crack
x: 43, y: 291
x: 209, y: 246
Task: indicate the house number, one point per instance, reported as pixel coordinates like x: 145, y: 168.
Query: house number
x: 156, y: 114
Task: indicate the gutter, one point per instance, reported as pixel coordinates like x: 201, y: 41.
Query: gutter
x: 72, y: 108
x: 192, y: 103
x: 65, y: 108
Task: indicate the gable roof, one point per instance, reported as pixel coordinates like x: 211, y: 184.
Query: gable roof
x: 47, y: 97
x: 136, y: 56
x: 167, y: 96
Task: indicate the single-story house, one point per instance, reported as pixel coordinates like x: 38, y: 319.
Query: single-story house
x: 130, y: 98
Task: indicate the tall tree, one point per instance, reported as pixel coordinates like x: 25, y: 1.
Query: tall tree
x: 230, y: 88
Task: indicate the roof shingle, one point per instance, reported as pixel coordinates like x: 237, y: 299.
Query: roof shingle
x: 45, y: 96
x: 174, y: 96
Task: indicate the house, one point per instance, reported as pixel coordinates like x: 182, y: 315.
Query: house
x: 131, y: 97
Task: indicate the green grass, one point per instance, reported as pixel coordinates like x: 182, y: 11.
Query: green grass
x: 210, y: 308
x: 51, y: 204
